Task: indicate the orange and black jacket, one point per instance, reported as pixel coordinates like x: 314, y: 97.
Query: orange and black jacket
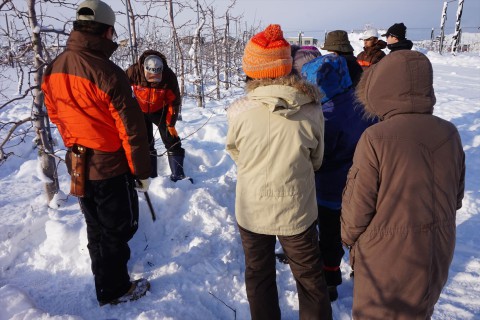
x: 371, y: 55
x: 90, y: 100
x: 156, y: 97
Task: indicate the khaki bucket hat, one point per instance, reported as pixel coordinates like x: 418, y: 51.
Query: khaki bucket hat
x: 337, y: 41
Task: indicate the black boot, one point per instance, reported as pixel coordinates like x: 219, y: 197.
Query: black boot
x: 153, y: 163
x: 175, y: 161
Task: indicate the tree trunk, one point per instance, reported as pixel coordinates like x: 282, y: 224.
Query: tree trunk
x: 40, y: 119
x: 132, y: 32
x: 179, y: 48
x: 458, y: 29
x: 226, y: 74
x: 442, y: 26
x: 216, y: 63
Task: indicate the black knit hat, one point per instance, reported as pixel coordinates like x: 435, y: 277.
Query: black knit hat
x: 398, y: 30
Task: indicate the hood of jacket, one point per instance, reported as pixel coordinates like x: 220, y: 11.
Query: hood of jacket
x: 282, y: 96
x: 80, y: 41
x: 378, y: 46
x: 400, y: 83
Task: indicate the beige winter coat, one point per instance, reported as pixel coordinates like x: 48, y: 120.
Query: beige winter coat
x: 275, y: 137
x: 402, y: 193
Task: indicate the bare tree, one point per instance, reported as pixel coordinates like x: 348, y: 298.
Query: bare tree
x: 177, y: 46
x: 196, y: 56
x: 39, y: 114
x: 28, y: 52
x: 132, y: 31
x: 216, y: 62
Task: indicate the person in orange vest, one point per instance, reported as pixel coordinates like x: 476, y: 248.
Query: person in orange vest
x: 372, y: 49
x: 155, y: 86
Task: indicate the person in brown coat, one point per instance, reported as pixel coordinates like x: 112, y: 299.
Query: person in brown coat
x: 402, y: 193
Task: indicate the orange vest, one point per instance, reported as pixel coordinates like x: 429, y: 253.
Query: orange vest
x: 152, y: 100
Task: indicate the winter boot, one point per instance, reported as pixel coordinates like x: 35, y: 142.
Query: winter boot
x: 175, y: 161
x: 137, y: 290
x: 153, y: 163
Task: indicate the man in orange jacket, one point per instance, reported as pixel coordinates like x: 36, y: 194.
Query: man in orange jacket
x: 89, y: 98
x: 156, y: 88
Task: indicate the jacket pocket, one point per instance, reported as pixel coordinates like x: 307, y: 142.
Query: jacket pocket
x: 350, y: 185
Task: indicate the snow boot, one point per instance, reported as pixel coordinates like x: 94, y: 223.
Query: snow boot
x: 175, y: 161
x: 137, y: 290
x: 153, y: 163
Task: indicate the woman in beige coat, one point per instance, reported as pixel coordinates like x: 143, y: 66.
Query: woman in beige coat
x: 403, y: 190
x: 275, y: 137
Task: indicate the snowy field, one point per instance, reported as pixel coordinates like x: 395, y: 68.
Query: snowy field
x: 192, y: 254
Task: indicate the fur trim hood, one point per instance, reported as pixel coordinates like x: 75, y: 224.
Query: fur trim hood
x: 301, y: 85
x: 402, y: 82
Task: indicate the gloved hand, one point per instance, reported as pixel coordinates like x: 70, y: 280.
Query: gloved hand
x: 173, y: 131
x: 142, y: 184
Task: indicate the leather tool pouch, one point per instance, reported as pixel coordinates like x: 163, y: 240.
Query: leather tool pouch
x: 77, y: 185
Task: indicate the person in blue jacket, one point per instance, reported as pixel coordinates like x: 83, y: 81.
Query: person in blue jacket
x: 344, y: 124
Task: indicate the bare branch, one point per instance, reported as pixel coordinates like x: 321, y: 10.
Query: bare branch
x: 9, y: 134
x: 18, y: 98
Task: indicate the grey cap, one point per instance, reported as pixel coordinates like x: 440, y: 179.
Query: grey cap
x: 99, y: 12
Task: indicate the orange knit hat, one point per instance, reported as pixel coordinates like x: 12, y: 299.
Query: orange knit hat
x: 267, y: 54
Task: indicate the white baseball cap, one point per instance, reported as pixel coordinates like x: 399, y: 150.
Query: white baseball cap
x: 153, y: 64
x: 369, y: 33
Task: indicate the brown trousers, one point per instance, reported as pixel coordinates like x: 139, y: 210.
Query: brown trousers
x: 304, y: 259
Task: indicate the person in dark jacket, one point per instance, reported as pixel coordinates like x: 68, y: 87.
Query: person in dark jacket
x: 372, y: 49
x: 338, y: 43
x: 90, y: 100
x: 156, y: 88
x: 396, y: 38
x: 403, y: 190
x: 344, y: 124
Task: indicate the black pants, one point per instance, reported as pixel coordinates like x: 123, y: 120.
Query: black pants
x: 110, y: 207
x: 304, y: 260
x: 172, y: 144
x: 330, y: 244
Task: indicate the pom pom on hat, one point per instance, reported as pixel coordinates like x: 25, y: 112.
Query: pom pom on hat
x: 267, y: 54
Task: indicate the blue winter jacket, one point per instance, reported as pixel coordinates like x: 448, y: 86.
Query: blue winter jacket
x: 344, y: 124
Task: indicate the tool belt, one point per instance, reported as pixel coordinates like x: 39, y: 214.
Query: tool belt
x: 77, y: 184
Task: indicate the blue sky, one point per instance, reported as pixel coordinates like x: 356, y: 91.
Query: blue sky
x: 316, y: 16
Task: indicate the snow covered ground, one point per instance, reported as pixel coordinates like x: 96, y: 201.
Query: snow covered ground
x: 192, y: 254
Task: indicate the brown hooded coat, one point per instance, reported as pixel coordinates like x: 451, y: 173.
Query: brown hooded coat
x: 403, y: 190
